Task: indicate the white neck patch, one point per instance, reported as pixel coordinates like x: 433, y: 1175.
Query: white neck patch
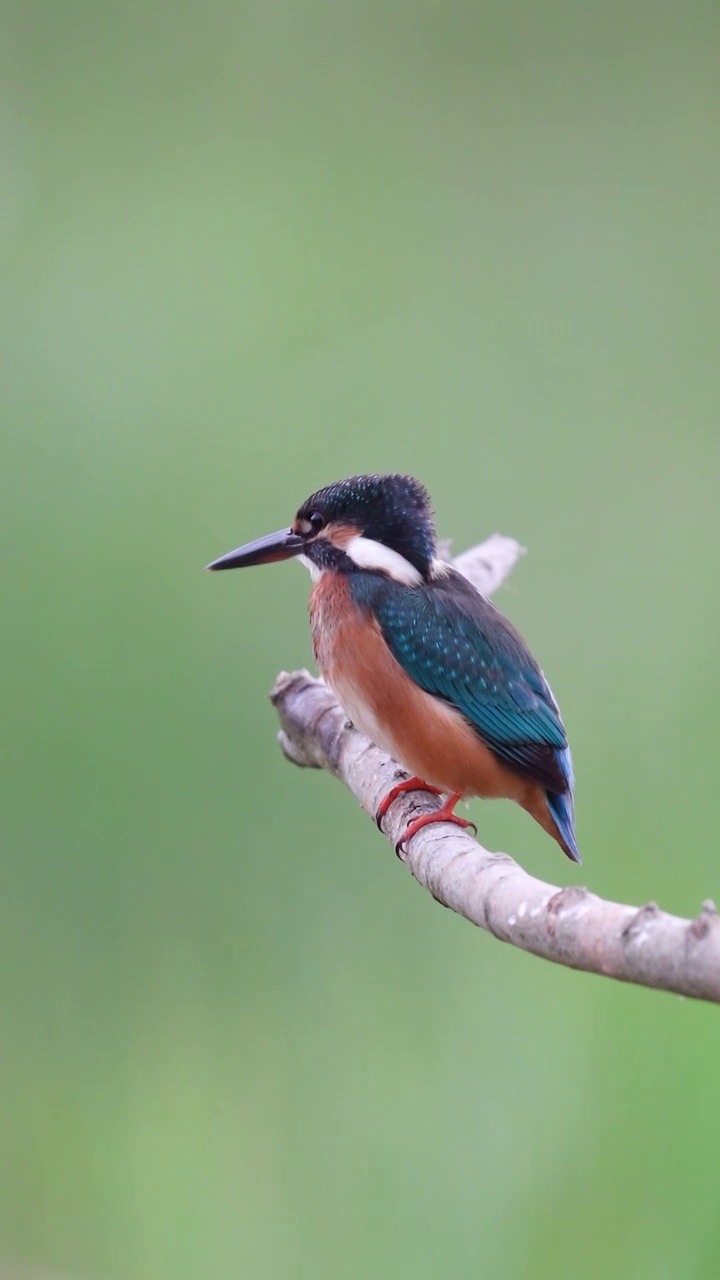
x: 314, y: 569
x: 439, y: 568
x: 369, y: 554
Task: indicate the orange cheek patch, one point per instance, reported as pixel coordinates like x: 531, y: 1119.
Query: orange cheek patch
x: 341, y: 534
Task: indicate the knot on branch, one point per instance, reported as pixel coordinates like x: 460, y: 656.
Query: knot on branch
x: 705, y: 922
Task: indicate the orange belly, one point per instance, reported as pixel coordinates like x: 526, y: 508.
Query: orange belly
x: 427, y: 736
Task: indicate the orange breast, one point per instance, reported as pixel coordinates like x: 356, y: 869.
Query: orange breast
x: 427, y: 736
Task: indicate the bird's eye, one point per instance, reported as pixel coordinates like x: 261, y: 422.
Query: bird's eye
x: 308, y: 526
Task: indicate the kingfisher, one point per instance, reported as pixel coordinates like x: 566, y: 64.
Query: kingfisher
x: 421, y: 661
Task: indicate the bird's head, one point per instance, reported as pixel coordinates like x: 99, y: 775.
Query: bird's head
x: 380, y: 523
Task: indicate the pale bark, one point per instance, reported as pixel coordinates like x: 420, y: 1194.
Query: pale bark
x: 571, y: 925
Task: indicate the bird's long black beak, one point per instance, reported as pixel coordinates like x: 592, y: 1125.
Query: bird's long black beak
x: 274, y: 546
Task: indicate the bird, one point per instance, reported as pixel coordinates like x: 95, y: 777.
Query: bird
x: 421, y: 662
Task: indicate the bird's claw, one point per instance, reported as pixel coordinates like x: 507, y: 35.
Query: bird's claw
x: 443, y: 814
x: 408, y: 784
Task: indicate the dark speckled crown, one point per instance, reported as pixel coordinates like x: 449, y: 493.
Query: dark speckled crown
x: 394, y: 510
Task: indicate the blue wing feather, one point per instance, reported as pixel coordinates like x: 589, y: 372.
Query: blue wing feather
x: 457, y: 646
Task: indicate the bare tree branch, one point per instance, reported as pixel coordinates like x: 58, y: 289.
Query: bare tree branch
x: 570, y: 926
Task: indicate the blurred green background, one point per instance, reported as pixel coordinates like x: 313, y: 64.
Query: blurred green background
x: 246, y: 250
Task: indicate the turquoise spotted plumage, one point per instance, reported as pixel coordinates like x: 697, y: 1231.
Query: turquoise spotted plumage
x: 457, y: 646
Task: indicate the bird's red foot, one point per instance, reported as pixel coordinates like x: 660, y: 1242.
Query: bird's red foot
x: 443, y: 814
x: 410, y: 784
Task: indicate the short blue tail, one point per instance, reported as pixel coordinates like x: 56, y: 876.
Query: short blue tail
x: 562, y: 808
